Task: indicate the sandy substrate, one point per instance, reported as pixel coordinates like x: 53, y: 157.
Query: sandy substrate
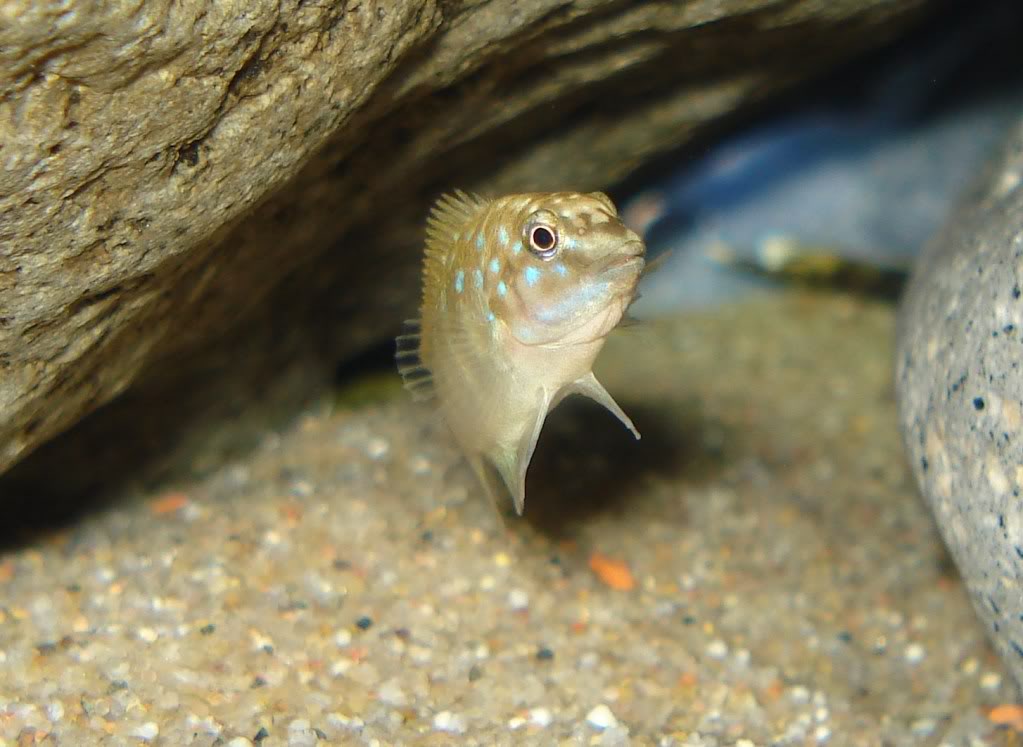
x: 757, y: 570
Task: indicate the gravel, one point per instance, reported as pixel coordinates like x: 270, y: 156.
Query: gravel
x: 347, y: 583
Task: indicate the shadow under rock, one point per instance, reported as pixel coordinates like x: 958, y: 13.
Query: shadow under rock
x: 587, y: 464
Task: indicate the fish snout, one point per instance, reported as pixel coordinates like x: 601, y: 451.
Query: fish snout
x: 629, y: 257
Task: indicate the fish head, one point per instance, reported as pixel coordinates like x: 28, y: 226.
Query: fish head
x: 570, y: 271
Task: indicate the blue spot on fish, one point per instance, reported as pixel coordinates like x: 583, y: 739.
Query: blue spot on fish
x: 517, y: 247
x: 502, y: 236
x: 569, y: 242
x: 477, y: 278
x: 561, y: 269
x: 495, y: 265
x: 502, y: 289
x: 459, y: 281
x: 479, y: 241
x: 569, y: 305
x: 532, y: 276
x: 490, y: 316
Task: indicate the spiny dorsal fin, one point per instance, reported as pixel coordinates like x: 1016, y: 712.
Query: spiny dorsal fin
x: 449, y: 218
x: 417, y: 377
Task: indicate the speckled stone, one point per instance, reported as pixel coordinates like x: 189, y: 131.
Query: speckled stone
x: 960, y: 391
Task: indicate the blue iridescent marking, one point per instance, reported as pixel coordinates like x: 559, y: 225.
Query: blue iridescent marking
x: 459, y: 281
x: 477, y: 278
x: 502, y: 288
x: 570, y: 305
x: 561, y: 269
x: 479, y: 241
x: 569, y: 242
x: 532, y: 276
x: 495, y: 265
x: 502, y: 236
x: 517, y: 247
x: 490, y: 316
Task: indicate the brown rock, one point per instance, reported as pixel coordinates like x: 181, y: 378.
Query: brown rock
x: 204, y: 207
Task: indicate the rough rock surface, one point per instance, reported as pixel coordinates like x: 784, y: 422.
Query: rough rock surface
x: 349, y: 584
x: 205, y: 206
x: 960, y: 390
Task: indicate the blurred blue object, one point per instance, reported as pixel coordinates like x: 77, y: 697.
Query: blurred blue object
x: 867, y: 170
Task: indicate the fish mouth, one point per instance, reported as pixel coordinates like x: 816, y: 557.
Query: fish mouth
x: 630, y: 256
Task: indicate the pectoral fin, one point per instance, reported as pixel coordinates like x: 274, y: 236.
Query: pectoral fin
x: 653, y: 265
x: 590, y: 387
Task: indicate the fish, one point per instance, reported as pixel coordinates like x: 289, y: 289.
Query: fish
x: 519, y: 295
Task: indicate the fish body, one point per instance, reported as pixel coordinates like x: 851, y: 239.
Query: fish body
x: 519, y: 294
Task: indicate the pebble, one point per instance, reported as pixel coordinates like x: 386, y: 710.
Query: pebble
x: 717, y: 649
x: 743, y: 657
x: 449, y: 722
x: 301, y: 488
x: 364, y: 623
x: 420, y: 654
x: 990, y: 680
x: 518, y: 599
x: 540, y: 717
x: 915, y: 653
x: 240, y: 742
x: 341, y: 667
x: 147, y: 732
x: 272, y: 538
x: 970, y: 666
x: 799, y: 694
x: 923, y: 727
x: 343, y: 638
x: 601, y: 717
x: 377, y: 448
x: 391, y: 693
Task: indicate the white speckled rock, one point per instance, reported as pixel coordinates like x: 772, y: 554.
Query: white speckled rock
x: 960, y: 389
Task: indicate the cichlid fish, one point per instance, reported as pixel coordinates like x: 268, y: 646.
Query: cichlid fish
x: 519, y: 294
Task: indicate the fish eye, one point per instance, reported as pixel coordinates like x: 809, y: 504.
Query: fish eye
x: 543, y: 241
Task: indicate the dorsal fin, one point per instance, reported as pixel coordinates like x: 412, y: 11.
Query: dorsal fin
x: 449, y: 217
x: 453, y: 218
x: 417, y: 377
